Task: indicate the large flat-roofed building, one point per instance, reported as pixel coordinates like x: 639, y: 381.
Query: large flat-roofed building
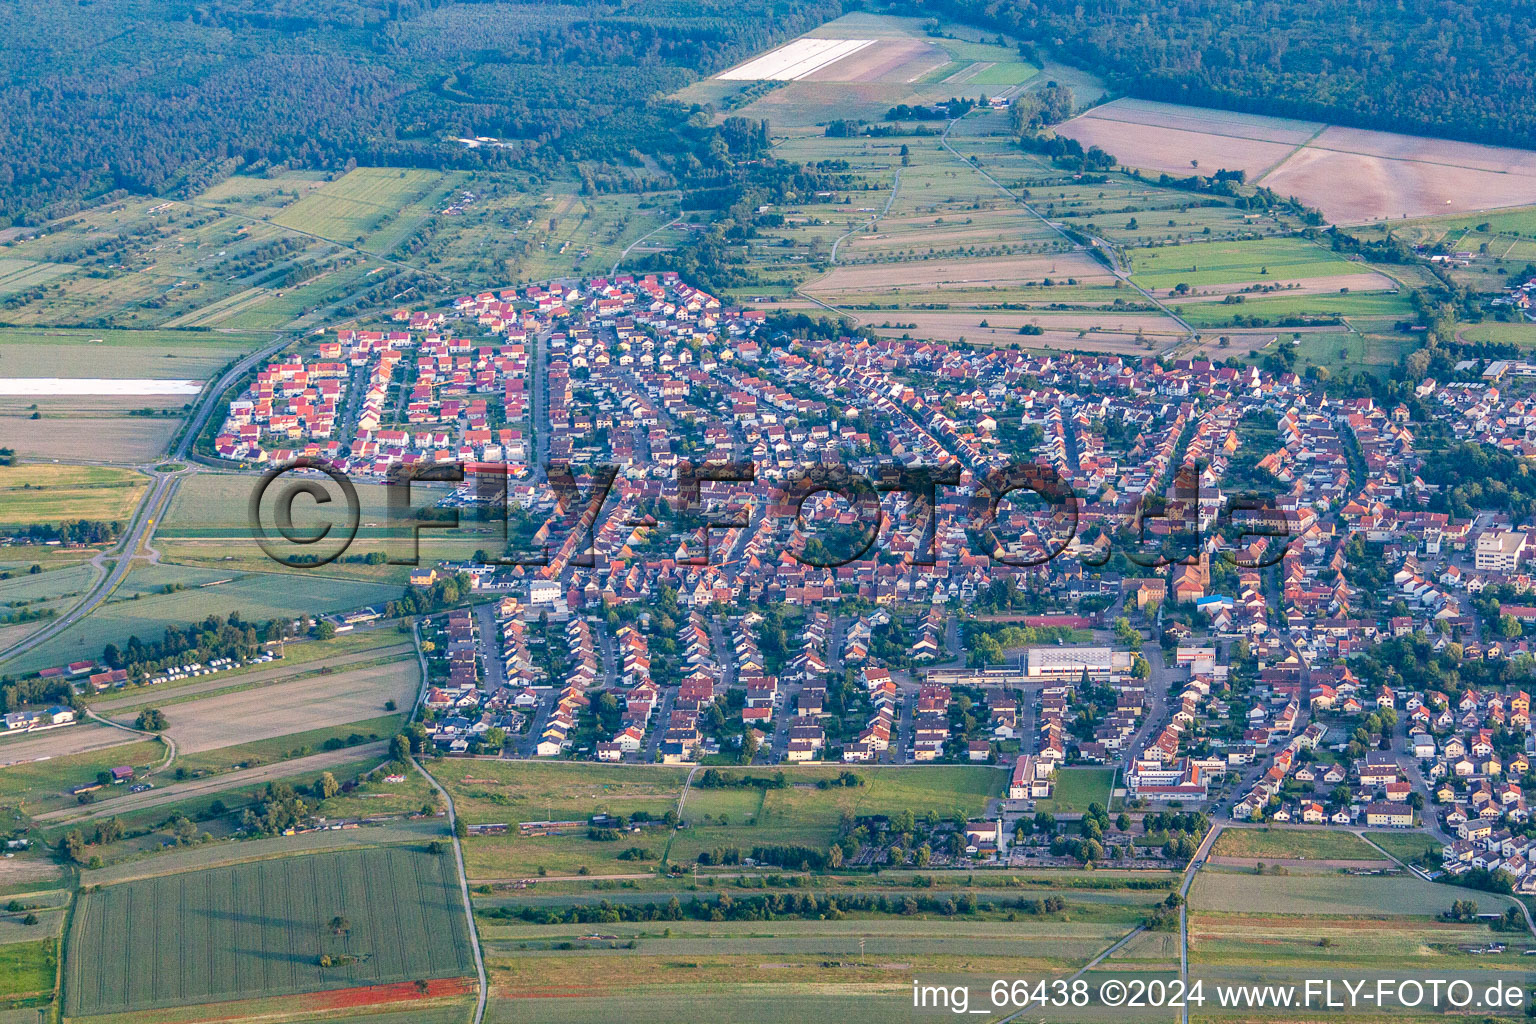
x: 1068, y: 663
x: 1500, y: 550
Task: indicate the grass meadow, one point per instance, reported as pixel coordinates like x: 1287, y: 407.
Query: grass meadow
x: 1292, y: 844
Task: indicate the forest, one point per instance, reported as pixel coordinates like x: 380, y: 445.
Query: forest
x: 155, y: 96
x: 166, y: 96
x: 1450, y: 68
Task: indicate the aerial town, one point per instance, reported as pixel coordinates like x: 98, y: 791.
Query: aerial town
x: 1212, y: 620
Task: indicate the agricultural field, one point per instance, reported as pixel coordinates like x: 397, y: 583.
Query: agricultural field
x: 73, y: 430
x: 53, y: 493
x: 80, y: 738
x: 71, y: 352
x: 28, y: 968
x: 251, y: 714
x: 373, y: 208
x: 800, y: 813
x: 706, y: 970
x: 290, y: 745
x: 244, y: 851
x: 860, y: 65
x: 1226, y: 267
x: 1317, y: 896
x: 207, y: 527
x: 170, y: 594
x: 260, y: 930
x: 1351, y: 175
x: 1405, y: 845
x: 245, y: 255
x: 1292, y: 844
x: 306, y: 657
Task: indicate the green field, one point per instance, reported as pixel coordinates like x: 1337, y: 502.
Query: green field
x: 1405, y: 845
x: 1292, y: 844
x: 38, y: 786
x: 1326, y: 895
x: 282, y: 748
x: 800, y: 813
x: 1280, y: 305
x: 28, y: 968
x: 372, y: 207
x: 260, y: 929
x: 71, y: 352
x: 1076, y: 788
x: 1522, y: 334
x: 52, y: 493
x: 1211, y: 263
x: 257, y: 596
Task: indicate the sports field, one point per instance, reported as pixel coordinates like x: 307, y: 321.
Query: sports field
x: 261, y: 929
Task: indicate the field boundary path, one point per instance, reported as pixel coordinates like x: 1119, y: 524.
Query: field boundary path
x: 631, y: 246
x: 889, y: 202
x: 170, y: 744
x: 469, y: 910
x: 1090, y: 965
x: 1097, y: 245
x: 179, y: 791
x: 1202, y: 853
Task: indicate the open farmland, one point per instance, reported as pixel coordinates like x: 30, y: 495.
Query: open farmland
x: 60, y: 742
x: 278, y: 709
x: 1232, y: 265
x: 70, y: 352
x: 1351, y: 175
x: 899, y: 62
x: 746, y: 967
x: 798, y: 59
x: 70, y: 430
x: 176, y: 595
x: 1325, y: 895
x: 871, y: 282
x: 373, y: 207
x: 260, y: 929
x: 52, y: 493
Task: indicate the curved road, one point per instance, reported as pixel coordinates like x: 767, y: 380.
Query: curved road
x: 135, y: 544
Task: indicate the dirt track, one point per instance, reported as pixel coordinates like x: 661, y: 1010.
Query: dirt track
x: 233, y: 780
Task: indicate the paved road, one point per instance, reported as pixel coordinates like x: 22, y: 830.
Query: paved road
x: 135, y: 544
x: 179, y: 791
x: 130, y: 549
x: 489, y: 642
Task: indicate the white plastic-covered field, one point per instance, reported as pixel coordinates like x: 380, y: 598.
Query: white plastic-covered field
x: 795, y: 60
